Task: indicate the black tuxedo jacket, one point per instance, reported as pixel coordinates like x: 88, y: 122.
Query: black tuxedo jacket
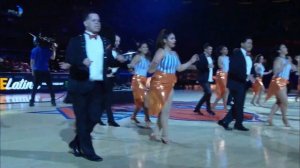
x: 202, y: 67
x: 238, y: 68
x: 79, y: 73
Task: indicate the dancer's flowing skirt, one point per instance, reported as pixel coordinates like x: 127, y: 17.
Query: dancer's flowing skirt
x: 275, y: 86
x: 221, y: 82
x: 139, y: 90
x: 258, y: 85
x: 161, y: 86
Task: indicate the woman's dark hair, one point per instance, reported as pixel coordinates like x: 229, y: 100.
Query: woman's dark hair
x: 276, y: 48
x: 164, y: 34
x: 139, y: 45
x: 220, y: 48
x: 257, y: 58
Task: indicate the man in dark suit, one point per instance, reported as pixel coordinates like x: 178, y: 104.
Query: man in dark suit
x: 239, y: 74
x: 89, y: 56
x: 110, y: 78
x: 205, y: 69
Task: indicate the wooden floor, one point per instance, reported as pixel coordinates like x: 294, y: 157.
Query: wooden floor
x: 35, y: 137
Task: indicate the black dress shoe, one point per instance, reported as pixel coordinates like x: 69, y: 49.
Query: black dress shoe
x: 241, y: 128
x: 75, y: 150
x: 114, y: 124
x: 94, y: 158
x: 68, y: 99
x: 31, y: 104
x: 211, y: 112
x: 198, y: 111
x: 225, y: 126
x: 101, y: 123
x: 53, y: 102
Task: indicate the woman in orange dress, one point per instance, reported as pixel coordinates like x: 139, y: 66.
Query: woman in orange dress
x: 141, y: 64
x: 281, y: 69
x: 164, y: 66
x: 221, y: 77
x: 258, y: 86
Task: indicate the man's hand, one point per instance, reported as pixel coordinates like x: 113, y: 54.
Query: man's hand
x: 194, y: 58
x: 87, y: 62
x: 64, y: 65
x: 54, y: 45
x: 251, y: 78
x: 121, y: 58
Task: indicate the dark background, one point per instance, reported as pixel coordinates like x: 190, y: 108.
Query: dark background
x: 194, y: 22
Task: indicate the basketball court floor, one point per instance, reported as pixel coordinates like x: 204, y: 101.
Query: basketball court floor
x: 37, y: 137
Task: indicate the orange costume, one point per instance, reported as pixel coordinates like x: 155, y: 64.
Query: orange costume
x: 138, y: 85
x: 258, y: 85
x: 161, y: 86
x: 276, y: 85
x: 221, y: 82
x: 162, y: 83
x: 279, y: 82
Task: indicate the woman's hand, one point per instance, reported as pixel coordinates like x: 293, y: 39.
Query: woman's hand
x: 194, y: 58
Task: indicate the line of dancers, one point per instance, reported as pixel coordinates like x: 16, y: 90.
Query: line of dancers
x: 233, y: 76
x: 89, y: 58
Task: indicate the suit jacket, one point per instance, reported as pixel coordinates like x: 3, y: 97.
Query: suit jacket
x: 203, y: 70
x: 238, y: 68
x: 79, y: 73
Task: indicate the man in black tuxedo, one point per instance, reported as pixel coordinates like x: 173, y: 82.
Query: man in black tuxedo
x: 239, y: 74
x: 110, y: 82
x: 89, y: 56
x: 205, y: 69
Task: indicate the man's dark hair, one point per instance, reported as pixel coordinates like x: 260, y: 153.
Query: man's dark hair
x: 244, y: 39
x: 43, y: 43
x: 86, y: 14
x: 206, y: 45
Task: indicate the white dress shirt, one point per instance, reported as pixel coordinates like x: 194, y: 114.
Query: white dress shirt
x: 210, y: 62
x: 95, y: 52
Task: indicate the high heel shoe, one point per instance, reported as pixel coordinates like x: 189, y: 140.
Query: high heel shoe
x: 135, y: 120
x: 252, y: 103
x: 153, y: 137
x: 285, y: 122
x: 148, y: 120
x: 164, y: 141
x: 148, y: 123
x: 270, y: 123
